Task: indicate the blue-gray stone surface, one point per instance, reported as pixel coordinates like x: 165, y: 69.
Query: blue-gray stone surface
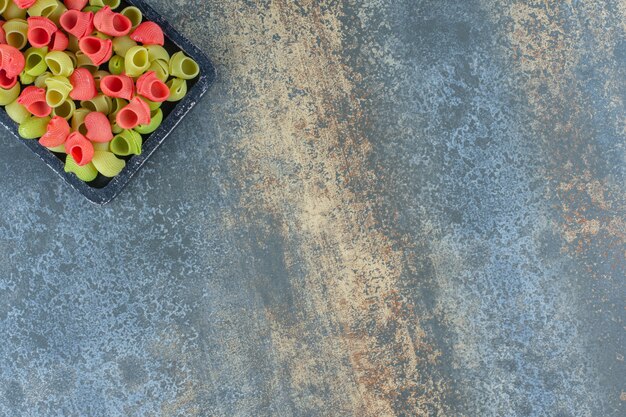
x: 381, y: 208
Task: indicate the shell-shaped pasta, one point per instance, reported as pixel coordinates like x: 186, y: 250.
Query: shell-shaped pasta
x: 73, y: 46
x: 122, y: 44
x: 84, y: 85
x: 98, y: 76
x: 24, y: 4
x: 57, y: 13
x: 99, y: 103
x: 148, y: 33
x: 86, y: 173
x: 150, y: 87
x: 157, y: 52
x: 98, y: 50
x: 77, y: 23
x: 13, y: 12
x: 78, y: 121
x: 60, y: 63
x: 18, y: 113
x: 40, y: 31
x: 181, y: 66
x: 178, y: 89
x: 16, y: 33
x: 98, y: 127
x: 120, y: 86
x: 11, y: 60
x: 59, y: 41
x: 116, y: 65
x: 83, y: 61
x: 7, y: 82
x: 4, y: 4
x: 113, y: 4
x: 40, y: 82
x: 136, y: 113
x: 9, y: 95
x: 108, y: 164
x: 58, y: 90
x: 57, y: 132
x: 134, y: 14
x: 34, y: 99
x: 161, y: 69
x: 155, y: 122
x: 46, y: 8
x: 33, y: 127
x: 35, y: 61
x: 79, y: 148
x: 117, y: 104
x: 111, y: 23
x: 26, y: 79
x: 136, y: 61
x: 75, y: 4
x: 65, y: 110
x: 128, y: 142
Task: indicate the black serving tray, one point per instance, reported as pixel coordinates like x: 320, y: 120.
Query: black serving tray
x: 103, y: 190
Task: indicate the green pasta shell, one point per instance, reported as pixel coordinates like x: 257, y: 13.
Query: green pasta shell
x: 99, y: 103
x: 17, y: 112
x: 58, y: 149
x: 56, y: 14
x: 101, y: 146
x: 126, y: 143
x: 116, y: 65
x: 98, y: 76
x: 134, y: 14
x: 78, y: 121
x: 60, y: 63
x: 85, y: 173
x: 113, y: 4
x: 34, y: 127
x: 157, y: 52
x: 65, y: 110
x: 136, y: 61
x: 26, y: 79
x: 122, y: 44
x: 178, y: 89
x: 13, y: 12
x: 44, y: 8
x: 92, y: 9
x: 59, y: 89
x: 10, y: 95
x: 40, y: 82
x: 182, y: 66
x: 16, y: 32
x: 161, y: 69
x: 152, y: 104
x: 35, y: 61
x: 155, y: 122
x: 3, y: 5
x: 73, y: 45
x: 107, y: 163
x: 117, y: 104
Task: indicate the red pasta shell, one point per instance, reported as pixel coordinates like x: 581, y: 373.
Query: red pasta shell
x: 24, y: 4
x: 84, y: 85
x: 136, y: 113
x: 40, y: 31
x: 150, y: 87
x: 98, y: 50
x: 11, y: 61
x: 76, y: 4
x: 118, y: 86
x: 34, y: 99
x: 7, y: 82
x: 57, y: 132
x: 77, y: 23
x: 98, y: 127
x: 148, y: 33
x: 59, y: 41
x: 80, y: 148
x: 111, y: 23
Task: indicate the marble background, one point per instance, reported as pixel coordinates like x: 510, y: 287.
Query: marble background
x: 381, y: 208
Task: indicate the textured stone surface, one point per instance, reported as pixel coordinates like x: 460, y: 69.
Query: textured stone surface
x: 382, y: 208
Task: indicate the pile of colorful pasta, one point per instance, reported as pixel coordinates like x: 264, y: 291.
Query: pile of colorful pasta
x: 85, y: 80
